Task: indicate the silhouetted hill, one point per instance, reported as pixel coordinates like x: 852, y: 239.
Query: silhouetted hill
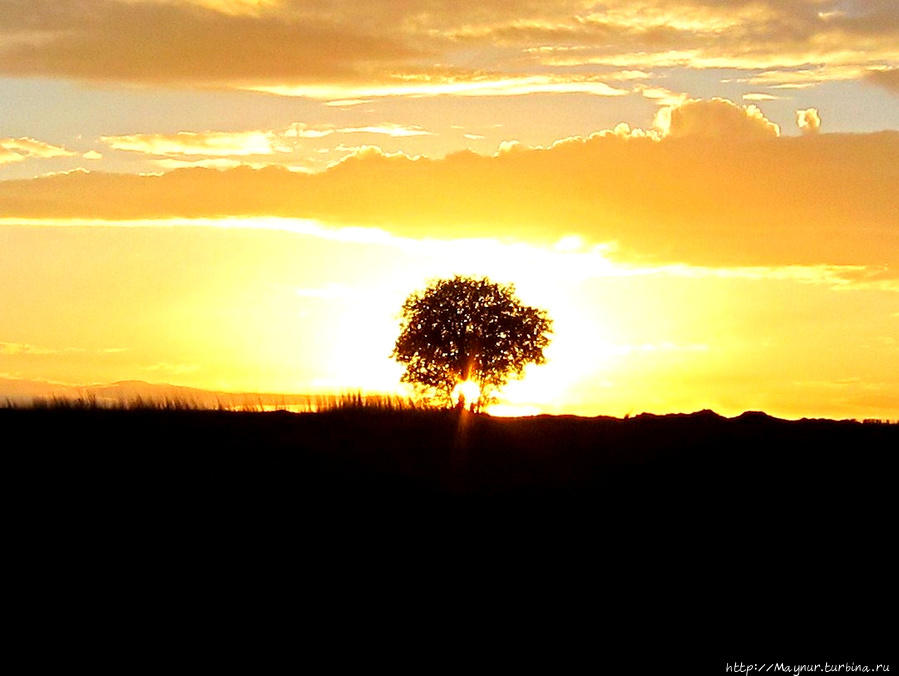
x: 722, y: 529
x: 751, y: 463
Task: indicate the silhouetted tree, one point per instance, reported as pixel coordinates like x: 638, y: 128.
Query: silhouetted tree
x: 468, y: 329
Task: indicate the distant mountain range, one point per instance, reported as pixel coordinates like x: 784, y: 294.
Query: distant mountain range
x: 127, y: 392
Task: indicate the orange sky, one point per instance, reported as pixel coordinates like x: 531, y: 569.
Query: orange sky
x: 701, y: 194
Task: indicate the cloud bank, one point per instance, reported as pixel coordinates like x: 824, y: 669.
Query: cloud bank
x: 339, y: 48
x: 720, y: 189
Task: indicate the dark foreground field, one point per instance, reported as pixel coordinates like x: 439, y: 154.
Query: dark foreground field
x: 727, y: 530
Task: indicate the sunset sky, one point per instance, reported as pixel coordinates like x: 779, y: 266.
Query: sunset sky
x: 238, y: 195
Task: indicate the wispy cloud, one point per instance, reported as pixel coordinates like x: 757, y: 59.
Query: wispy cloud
x: 24, y: 348
x: 199, y: 143
x: 301, y: 130
x: 221, y: 163
x: 19, y: 149
x: 460, y: 84
x: 19, y: 349
x: 662, y: 96
x: 218, y: 149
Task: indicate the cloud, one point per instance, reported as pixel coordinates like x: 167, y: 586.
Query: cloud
x: 808, y: 121
x: 22, y: 348
x: 662, y: 96
x: 169, y: 163
x: 387, y: 130
x: 457, y: 84
x: 797, y: 76
x: 345, y: 51
x: 19, y: 149
x: 716, y: 118
x: 702, y: 199
x: 184, y: 42
x: 219, y: 149
x: 886, y: 77
x: 17, y: 349
x: 623, y: 130
x: 202, y: 143
x: 301, y: 130
x: 775, y: 35
x: 252, y: 7
x: 759, y: 97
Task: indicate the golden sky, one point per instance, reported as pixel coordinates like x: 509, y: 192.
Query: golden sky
x: 239, y: 194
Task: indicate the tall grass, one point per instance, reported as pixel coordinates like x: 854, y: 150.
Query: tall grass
x: 350, y: 401
x: 356, y: 401
x: 91, y: 402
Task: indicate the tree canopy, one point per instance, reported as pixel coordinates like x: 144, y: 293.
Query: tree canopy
x: 468, y: 329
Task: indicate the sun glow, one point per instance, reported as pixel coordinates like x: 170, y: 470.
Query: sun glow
x: 627, y: 337
x: 466, y: 393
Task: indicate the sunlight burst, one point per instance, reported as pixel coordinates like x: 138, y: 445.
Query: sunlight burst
x: 466, y: 393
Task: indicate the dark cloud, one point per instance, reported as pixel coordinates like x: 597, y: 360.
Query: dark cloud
x: 888, y: 78
x: 319, y: 41
x: 763, y: 34
x: 153, y: 42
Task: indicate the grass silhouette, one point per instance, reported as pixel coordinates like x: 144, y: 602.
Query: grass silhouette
x: 345, y: 401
